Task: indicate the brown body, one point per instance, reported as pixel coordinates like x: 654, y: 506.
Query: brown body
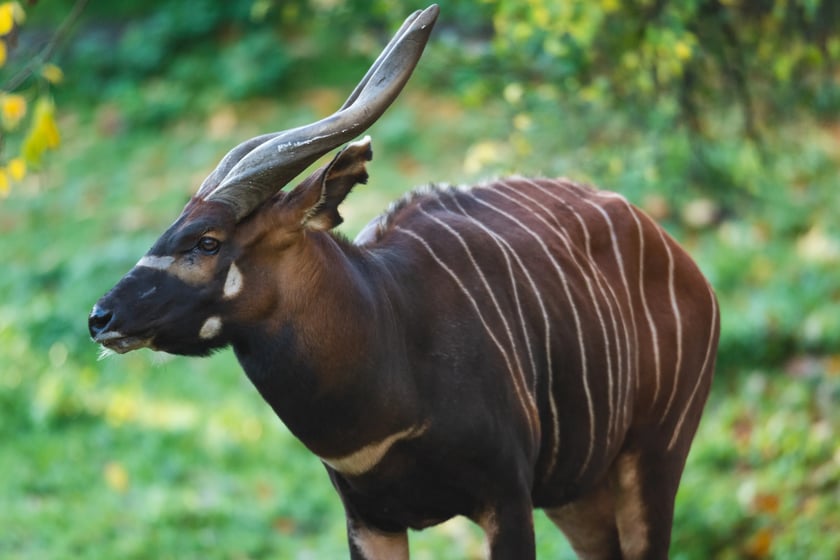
x: 480, y: 352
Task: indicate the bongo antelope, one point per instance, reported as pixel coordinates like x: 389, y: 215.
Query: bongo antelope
x: 479, y: 352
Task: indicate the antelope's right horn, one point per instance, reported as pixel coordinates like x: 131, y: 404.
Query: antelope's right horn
x: 256, y: 169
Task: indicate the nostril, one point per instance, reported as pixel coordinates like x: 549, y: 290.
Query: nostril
x: 98, y: 320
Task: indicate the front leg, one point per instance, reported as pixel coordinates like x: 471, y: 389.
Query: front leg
x: 371, y: 544
x: 509, y: 528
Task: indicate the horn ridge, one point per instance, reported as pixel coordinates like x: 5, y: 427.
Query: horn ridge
x: 378, y: 62
x: 228, y: 161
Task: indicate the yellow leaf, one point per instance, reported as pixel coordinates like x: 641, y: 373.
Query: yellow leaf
x: 766, y: 503
x: 51, y: 135
x: 2, y: 53
x: 52, y: 73
x: 45, y: 121
x: 4, y: 183
x: 17, y: 168
x: 43, y: 133
x: 18, y: 13
x: 7, y: 17
x: 116, y: 477
x: 32, y: 148
x: 610, y: 6
x: 13, y: 109
x: 683, y: 50
x: 760, y: 544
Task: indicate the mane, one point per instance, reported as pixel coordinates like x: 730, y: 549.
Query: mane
x: 377, y: 227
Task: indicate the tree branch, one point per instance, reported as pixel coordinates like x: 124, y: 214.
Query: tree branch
x: 47, y: 51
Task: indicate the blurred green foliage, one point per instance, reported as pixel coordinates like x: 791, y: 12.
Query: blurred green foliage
x: 718, y: 117
x: 27, y: 112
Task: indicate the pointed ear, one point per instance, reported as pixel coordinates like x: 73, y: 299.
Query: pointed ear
x: 319, y: 195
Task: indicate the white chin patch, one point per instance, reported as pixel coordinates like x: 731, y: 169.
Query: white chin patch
x: 210, y: 328
x: 233, y: 282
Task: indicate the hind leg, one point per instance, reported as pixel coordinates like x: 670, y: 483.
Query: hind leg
x: 629, y: 515
x: 645, y: 485
x: 590, y: 524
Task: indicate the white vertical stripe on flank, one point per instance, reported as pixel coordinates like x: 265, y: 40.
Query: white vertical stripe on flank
x: 654, y: 335
x: 703, y: 371
x: 506, y: 250
x: 531, y: 410
x: 623, y: 375
x: 622, y: 270
x: 575, y: 317
x: 562, y: 234
x: 471, y: 299
x: 503, y: 244
x: 678, y: 323
x: 619, y: 258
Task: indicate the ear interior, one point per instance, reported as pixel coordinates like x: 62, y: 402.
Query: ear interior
x: 334, y: 182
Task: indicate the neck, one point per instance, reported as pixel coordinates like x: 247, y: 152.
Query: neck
x: 326, y: 362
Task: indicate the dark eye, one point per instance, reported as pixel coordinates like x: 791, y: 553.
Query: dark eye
x: 208, y: 245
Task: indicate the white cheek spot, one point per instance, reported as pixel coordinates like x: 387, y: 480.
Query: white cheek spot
x: 210, y: 328
x: 233, y: 282
x: 158, y: 263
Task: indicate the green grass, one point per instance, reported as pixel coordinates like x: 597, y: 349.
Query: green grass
x: 140, y: 456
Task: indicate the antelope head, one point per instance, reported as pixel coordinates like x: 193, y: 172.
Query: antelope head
x: 204, y: 271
